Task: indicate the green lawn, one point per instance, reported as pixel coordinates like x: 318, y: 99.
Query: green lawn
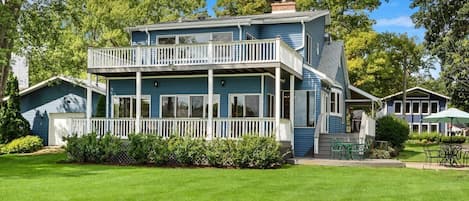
x: 42, y: 178
x: 414, y: 153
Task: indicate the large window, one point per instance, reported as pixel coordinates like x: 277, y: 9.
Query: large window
x: 308, y: 49
x: 195, y: 38
x: 425, y: 107
x: 125, y: 106
x: 415, y: 107
x: 397, y: 107
x: 187, y: 106
x: 244, y: 105
x: 336, y: 102
x: 434, y: 106
x: 305, y: 108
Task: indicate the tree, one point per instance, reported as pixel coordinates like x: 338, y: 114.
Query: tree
x: 12, y: 124
x: 447, y: 37
x: 242, y: 7
x: 9, y: 14
x: 57, y: 33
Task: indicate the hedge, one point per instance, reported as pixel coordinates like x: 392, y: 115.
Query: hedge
x: 437, y: 138
x: 250, y: 152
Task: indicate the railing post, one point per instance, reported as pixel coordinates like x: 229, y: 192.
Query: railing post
x: 210, y: 104
x: 90, y: 57
x: 277, y: 48
x: 89, y: 110
x: 277, y: 102
x: 139, y: 56
x: 292, y: 110
x: 138, y: 90
x: 210, y: 52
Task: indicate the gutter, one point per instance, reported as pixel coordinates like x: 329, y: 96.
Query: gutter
x: 148, y: 36
x: 304, y: 36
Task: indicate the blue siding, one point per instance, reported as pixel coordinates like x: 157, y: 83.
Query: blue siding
x: 316, y: 29
x: 253, y: 30
x: 304, y: 137
x: 338, y: 124
x: 186, y: 86
x: 290, y: 33
x: 59, y: 98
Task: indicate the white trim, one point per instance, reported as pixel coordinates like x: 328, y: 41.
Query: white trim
x: 416, y: 88
x: 428, y: 107
x: 364, y: 93
x: 437, y: 127
x: 394, y: 107
x: 421, y: 128
x: 196, y: 76
x: 107, y: 99
x: 230, y: 97
x: 308, y: 49
x: 131, y: 104
x: 338, y: 95
x: 205, y: 102
x: 261, y: 109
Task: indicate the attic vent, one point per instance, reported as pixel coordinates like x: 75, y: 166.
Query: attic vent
x: 284, y: 7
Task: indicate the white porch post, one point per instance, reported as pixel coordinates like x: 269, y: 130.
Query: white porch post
x: 210, y: 104
x: 292, y: 109
x: 277, y: 102
x: 89, y: 105
x: 138, y: 107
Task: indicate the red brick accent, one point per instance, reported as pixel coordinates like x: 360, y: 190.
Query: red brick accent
x: 283, y: 7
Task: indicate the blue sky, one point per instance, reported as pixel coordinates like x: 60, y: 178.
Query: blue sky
x: 393, y: 16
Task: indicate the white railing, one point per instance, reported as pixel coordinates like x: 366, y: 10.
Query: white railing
x: 248, y: 51
x: 317, y: 131
x: 227, y: 128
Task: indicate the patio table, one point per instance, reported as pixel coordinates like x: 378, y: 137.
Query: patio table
x: 347, y: 148
x: 452, y: 154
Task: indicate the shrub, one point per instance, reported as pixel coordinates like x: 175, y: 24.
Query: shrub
x: 379, y: 154
x: 453, y: 139
x: 221, y: 153
x: 393, y: 130
x: 26, y: 144
x: 92, y: 148
x: 258, y: 152
x: 424, y: 138
x: 187, y: 151
x: 148, y: 149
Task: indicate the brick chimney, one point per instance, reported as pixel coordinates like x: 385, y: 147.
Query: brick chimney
x: 284, y: 6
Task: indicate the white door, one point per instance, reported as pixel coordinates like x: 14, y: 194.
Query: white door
x: 59, y: 125
x: 324, y: 112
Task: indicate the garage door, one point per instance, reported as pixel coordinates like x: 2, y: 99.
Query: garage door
x: 59, y: 125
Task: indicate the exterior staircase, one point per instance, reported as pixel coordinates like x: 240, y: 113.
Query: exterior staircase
x: 325, y: 141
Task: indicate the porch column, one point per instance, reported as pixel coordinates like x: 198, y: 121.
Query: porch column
x: 277, y: 102
x: 292, y: 108
x: 210, y: 104
x: 89, y: 105
x: 138, y: 107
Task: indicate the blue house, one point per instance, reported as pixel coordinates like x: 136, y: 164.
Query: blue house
x: 420, y: 103
x: 59, y: 97
x: 275, y: 74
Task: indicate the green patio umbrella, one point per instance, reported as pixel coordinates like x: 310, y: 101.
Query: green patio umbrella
x: 451, y: 115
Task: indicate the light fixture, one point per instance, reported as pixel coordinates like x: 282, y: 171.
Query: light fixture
x: 222, y: 82
x: 155, y: 83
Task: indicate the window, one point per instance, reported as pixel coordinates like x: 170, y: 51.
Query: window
x: 415, y: 128
x: 407, y: 107
x: 187, y: 106
x: 194, y: 38
x: 425, y: 106
x: 336, y: 102
x: 270, y: 105
x: 434, y: 127
x: 415, y: 107
x: 308, y: 49
x: 222, y: 36
x: 434, y: 106
x: 424, y: 128
x: 125, y: 106
x: 305, y: 108
x: 169, y: 40
x: 398, y: 107
x: 286, y: 104
x: 243, y: 105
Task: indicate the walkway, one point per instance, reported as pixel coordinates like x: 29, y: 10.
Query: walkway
x: 361, y: 163
x: 433, y: 166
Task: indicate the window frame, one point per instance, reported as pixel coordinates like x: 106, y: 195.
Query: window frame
x: 231, y: 96
x: 191, y: 34
x: 338, y: 103
x: 428, y: 107
x: 437, y: 107
x: 270, y: 109
x: 307, y: 109
x: 146, y: 96
x: 418, y: 107
x: 394, y: 106
x: 437, y: 127
x: 189, y: 113
x: 411, y: 125
x: 428, y: 127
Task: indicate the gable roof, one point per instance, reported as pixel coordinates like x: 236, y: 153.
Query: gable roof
x: 247, y: 20
x: 99, y: 88
x: 417, y: 88
x: 332, y: 58
x: 364, y: 93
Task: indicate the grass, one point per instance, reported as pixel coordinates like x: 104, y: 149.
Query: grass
x: 414, y: 152
x: 40, y: 177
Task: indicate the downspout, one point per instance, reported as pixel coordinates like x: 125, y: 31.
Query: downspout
x: 240, y: 32
x: 304, y: 34
x: 148, y: 36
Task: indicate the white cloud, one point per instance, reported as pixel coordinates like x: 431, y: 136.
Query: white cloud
x: 402, y: 21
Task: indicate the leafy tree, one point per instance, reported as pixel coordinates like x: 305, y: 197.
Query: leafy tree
x: 9, y: 14
x: 242, y: 7
x: 12, y: 124
x: 447, y: 38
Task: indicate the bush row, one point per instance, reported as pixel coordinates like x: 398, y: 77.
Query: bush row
x: 250, y: 152
x: 26, y: 144
x: 437, y: 138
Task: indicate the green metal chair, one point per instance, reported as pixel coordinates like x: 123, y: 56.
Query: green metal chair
x: 336, y: 150
x: 358, y: 151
